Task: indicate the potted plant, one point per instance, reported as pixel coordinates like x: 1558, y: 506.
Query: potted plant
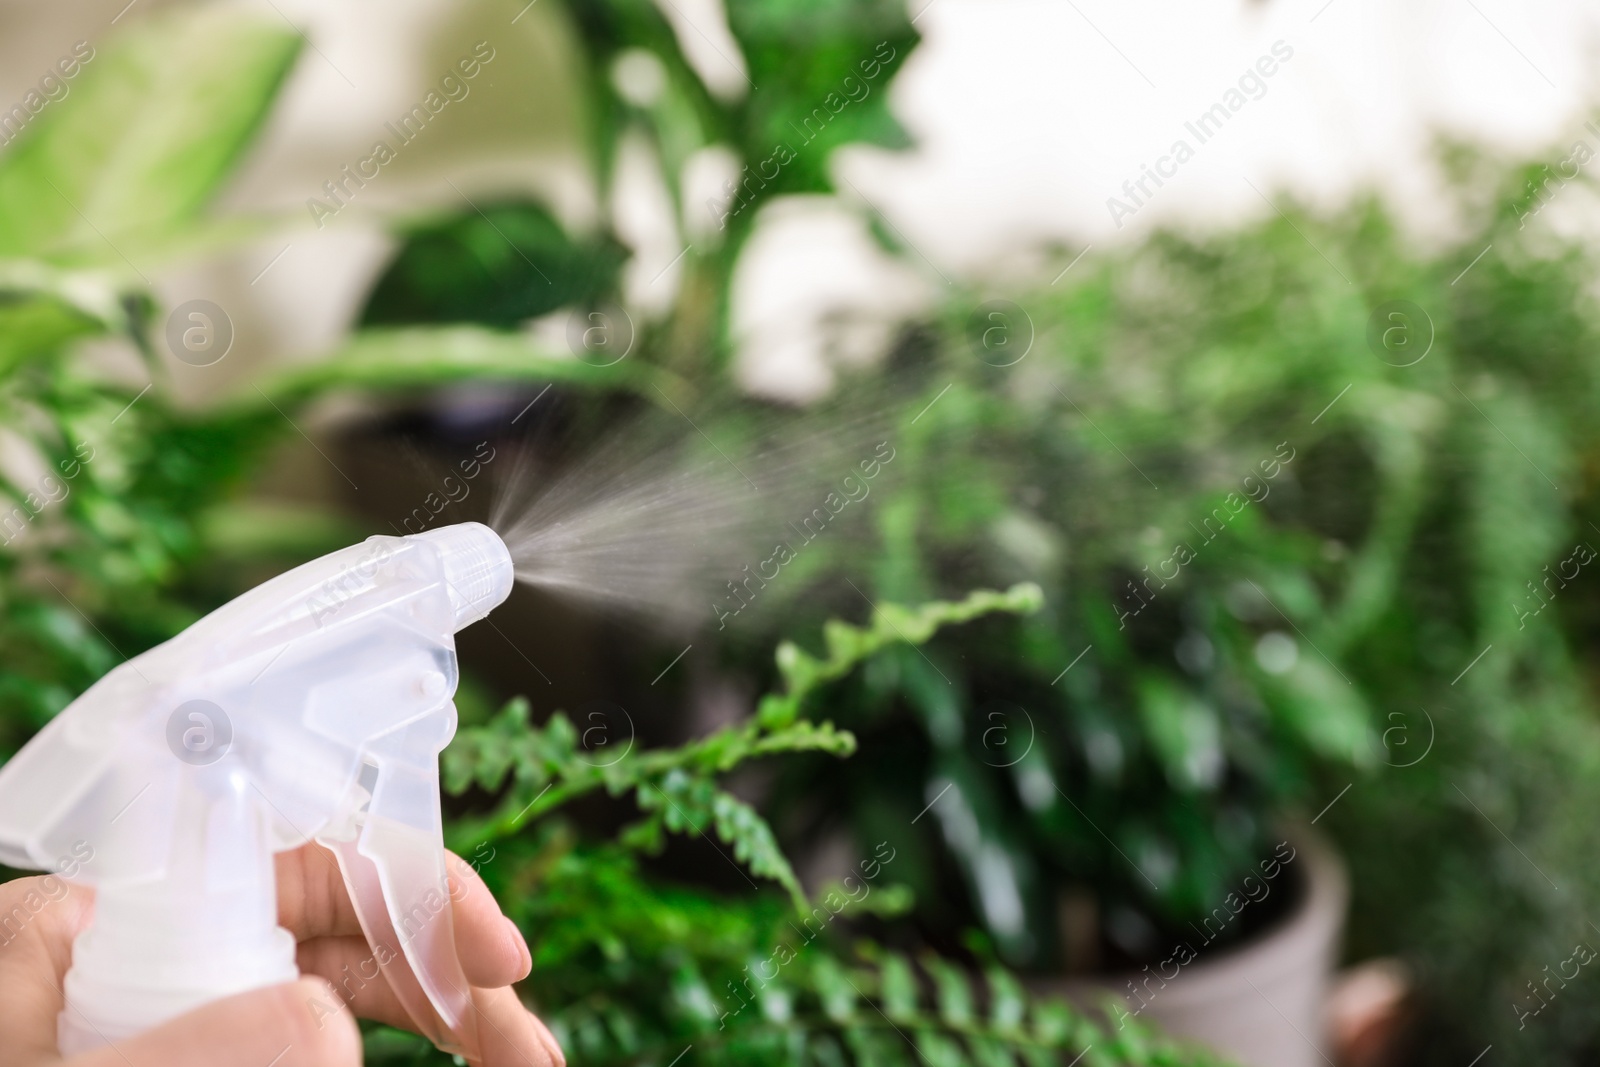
x: 1213, y: 746
x: 1103, y: 788
x: 135, y: 524
x: 1255, y: 473
x: 1397, y: 562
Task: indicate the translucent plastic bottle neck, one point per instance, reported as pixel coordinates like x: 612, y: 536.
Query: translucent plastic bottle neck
x: 206, y: 928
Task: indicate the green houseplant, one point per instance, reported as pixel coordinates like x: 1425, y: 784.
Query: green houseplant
x: 1259, y: 672
x: 1287, y: 522
x: 136, y: 525
x: 1206, y: 807
x: 816, y: 79
x: 1397, y: 562
x: 1242, y: 396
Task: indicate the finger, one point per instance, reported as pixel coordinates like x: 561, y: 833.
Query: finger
x: 299, y: 1024
x: 352, y: 967
x: 511, y: 1035
x: 39, y: 917
x: 349, y: 966
x: 312, y: 899
x: 313, y: 902
x: 492, y: 950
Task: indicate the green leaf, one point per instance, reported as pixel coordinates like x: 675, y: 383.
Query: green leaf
x: 939, y: 1050
x: 151, y: 127
x: 1321, y: 706
x: 754, y: 845
x: 1185, y: 733
x: 497, y: 265
x: 633, y: 970
x: 549, y: 769
x: 34, y: 327
x: 821, y: 72
x: 899, y: 988
x: 891, y: 624
x: 834, y: 988
x: 1007, y: 1002
x: 421, y: 358
x: 955, y: 997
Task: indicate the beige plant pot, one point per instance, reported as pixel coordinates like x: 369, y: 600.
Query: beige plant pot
x: 1260, y: 1003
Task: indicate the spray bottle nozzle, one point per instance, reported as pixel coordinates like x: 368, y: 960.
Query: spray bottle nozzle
x: 477, y: 568
x: 329, y: 693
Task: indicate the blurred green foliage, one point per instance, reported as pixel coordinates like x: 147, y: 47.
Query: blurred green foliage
x: 501, y: 266
x: 1275, y: 526
x: 1395, y: 602
x: 817, y: 77
x: 124, y: 522
x: 146, y: 142
x: 632, y: 971
x: 1364, y: 597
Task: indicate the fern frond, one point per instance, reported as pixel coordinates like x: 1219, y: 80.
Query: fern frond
x: 676, y: 787
x: 848, y: 646
x: 886, y: 1012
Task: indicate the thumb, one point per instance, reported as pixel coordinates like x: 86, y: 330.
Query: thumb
x: 299, y: 1024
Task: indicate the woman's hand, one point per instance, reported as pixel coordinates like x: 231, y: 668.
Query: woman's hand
x: 308, y: 1023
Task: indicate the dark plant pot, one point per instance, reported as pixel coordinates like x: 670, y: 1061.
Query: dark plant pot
x: 1260, y: 1003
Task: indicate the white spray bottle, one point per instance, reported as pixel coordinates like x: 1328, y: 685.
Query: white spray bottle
x: 312, y: 707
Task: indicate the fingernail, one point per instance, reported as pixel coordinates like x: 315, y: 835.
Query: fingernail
x: 522, y: 947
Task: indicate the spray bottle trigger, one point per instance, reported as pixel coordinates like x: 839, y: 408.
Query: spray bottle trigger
x: 394, y: 869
